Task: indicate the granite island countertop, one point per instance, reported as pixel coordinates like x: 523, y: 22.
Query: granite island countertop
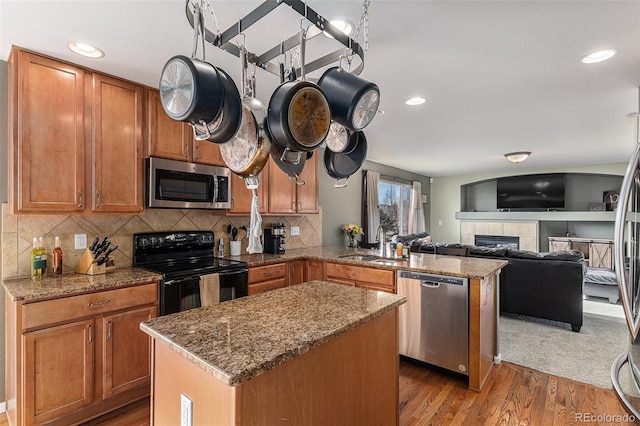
x: 70, y: 284
x: 470, y: 267
x: 239, y: 339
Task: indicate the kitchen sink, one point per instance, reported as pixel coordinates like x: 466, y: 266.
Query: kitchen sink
x: 373, y: 259
x: 360, y: 257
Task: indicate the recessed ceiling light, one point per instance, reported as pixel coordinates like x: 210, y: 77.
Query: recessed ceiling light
x: 344, y: 25
x: 85, y: 49
x: 599, y: 56
x: 418, y: 100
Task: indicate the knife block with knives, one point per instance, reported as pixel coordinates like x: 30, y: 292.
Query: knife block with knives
x: 94, y: 258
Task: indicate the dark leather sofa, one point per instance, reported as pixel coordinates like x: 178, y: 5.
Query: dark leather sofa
x: 541, y: 285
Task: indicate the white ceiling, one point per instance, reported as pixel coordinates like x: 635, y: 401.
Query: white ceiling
x: 498, y: 76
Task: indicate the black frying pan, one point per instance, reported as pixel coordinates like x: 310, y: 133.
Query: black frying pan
x: 340, y: 165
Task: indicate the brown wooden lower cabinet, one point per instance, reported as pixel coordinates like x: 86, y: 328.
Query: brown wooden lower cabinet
x: 268, y: 277
x: 369, y: 278
x: 314, y: 270
x: 73, y: 358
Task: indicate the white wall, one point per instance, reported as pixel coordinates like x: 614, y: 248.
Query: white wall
x: 445, y: 195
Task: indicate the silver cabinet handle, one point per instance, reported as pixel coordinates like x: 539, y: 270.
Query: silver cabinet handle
x: 80, y: 198
x: 299, y: 205
x: 294, y: 206
x: 233, y: 203
x: 186, y: 150
x: 102, y: 302
x: 108, y: 330
x: 98, y: 199
x: 197, y: 152
x: 90, y: 334
x: 269, y: 272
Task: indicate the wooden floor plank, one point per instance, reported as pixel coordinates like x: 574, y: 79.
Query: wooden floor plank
x: 512, y: 395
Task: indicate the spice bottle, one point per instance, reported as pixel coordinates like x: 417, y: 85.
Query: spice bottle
x: 57, y: 258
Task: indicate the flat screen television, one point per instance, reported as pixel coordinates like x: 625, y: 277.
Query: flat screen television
x: 531, y: 192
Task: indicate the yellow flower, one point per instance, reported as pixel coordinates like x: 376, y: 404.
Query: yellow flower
x: 352, y: 229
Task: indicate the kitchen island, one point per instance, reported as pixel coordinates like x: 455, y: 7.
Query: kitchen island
x: 314, y: 353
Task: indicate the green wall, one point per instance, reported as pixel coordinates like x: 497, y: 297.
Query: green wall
x: 341, y: 206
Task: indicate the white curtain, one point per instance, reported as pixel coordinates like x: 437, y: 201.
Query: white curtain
x: 373, y: 209
x: 416, y: 214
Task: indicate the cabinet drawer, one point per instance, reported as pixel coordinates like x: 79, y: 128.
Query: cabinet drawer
x: 269, y: 272
x: 267, y: 286
x: 61, y: 310
x: 356, y: 273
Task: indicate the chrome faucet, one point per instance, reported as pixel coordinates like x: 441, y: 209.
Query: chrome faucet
x: 382, y: 244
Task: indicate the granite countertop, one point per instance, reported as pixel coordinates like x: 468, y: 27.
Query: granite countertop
x: 237, y: 340
x: 470, y: 267
x: 71, y: 284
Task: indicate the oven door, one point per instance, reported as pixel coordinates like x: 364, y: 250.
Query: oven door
x: 179, y: 295
x: 234, y: 284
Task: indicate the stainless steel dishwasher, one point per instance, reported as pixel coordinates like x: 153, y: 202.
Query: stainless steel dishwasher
x: 434, y: 323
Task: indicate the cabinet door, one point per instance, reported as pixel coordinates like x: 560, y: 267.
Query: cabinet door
x: 282, y: 191
x: 127, y: 351
x: 46, y: 119
x: 559, y: 245
x: 601, y: 255
x: 296, y: 272
x: 206, y: 152
x: 167, y: 138
x: 241, y: 197
x: 58, y: 370
x: 314, y: 270
x: 117, y: 146
x: 307, y: 194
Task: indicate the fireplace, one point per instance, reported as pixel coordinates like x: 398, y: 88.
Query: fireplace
x: 497, y: 241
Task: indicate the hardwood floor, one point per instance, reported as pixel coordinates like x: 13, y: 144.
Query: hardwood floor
x: 513, y: 395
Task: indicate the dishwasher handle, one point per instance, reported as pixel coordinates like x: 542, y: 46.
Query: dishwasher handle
x: 429, y: 284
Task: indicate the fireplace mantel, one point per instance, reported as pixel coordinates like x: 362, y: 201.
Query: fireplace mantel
x: 564, y: 216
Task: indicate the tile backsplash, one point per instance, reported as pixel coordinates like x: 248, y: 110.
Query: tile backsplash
x: 18, y: 232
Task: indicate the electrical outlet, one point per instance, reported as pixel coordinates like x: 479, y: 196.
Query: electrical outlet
x: 295, y: 230
x: 186, y: 411
x: 80, y: 241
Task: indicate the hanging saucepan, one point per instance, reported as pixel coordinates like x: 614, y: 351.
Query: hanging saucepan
x: 299, y: 115
x: 340, y: 139
x: 247, y: 153
x: 340, y: 166
x: 226, y: 126
x: 191, y: 90
x: 354, y: 101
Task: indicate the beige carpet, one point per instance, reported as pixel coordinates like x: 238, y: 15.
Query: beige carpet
x: 552, y: 347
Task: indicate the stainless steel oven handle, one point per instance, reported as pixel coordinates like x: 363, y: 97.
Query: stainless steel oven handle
x: 180, y: 280
x: 234, y: 272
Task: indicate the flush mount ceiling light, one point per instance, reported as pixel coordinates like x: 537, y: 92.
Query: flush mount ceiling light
x: 344, y: 25
x: 599, y: 56
x: 517, y: 157
x: 418, y: 100
x: 85, y: 49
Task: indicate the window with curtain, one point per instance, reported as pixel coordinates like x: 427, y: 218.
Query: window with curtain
x: 394, y: 201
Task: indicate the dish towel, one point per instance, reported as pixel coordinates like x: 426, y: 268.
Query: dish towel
x: 209, y: 289
x: 255, y: 245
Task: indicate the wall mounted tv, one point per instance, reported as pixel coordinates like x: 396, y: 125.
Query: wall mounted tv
x: 531, y: 192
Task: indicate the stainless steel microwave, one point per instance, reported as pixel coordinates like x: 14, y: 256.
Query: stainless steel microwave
x: 177, y: 184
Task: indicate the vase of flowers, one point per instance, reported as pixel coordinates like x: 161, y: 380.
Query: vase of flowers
x: 352, y: 230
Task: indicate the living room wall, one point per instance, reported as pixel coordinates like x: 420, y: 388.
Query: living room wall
x: 445, y: 194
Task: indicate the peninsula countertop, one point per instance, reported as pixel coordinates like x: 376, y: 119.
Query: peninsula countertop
x: 469, y: 267
x: 71, y: 284
x: 239, y: 339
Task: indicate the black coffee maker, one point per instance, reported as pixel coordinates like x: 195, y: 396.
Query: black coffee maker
x: 274, y: 239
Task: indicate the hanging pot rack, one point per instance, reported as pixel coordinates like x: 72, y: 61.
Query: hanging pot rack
x: 223, y: 39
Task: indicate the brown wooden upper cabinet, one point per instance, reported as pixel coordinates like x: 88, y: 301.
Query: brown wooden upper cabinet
x: 76, y: 138
x: 172, y: 139
x: 286, y: 197
x: 241, y: 197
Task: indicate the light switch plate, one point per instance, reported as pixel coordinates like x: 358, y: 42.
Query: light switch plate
x: 295, y: 230
x: 80, y: 241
